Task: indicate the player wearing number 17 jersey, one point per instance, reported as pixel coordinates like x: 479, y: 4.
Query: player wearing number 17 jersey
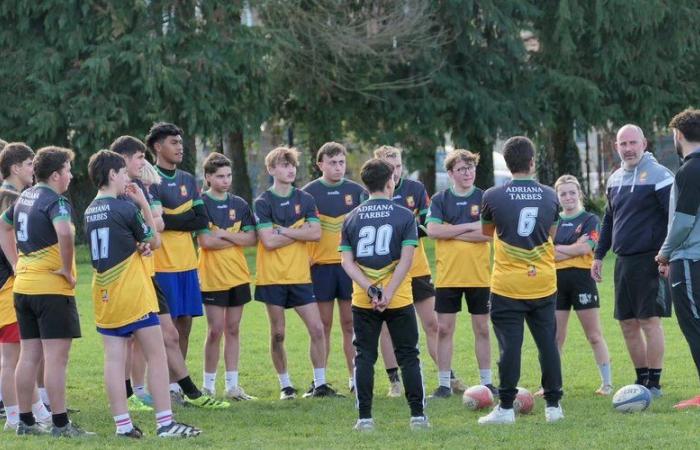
x: 522, y: 217
x: 377, y: 244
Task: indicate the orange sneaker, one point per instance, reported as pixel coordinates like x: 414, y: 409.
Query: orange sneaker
x: 690, y: 403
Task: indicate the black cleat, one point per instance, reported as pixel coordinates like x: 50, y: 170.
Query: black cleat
x: 135, y: 433
x: 441, y: 392
x: 325, y: 390
x: 288, y: 393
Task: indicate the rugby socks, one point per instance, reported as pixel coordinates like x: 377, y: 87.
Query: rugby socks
x: 12, y: 413
x: 123, y: 423
x: 654, y: 378
x: 174, y: 387
x: 140, y: 391
x: 284, y: 380
x: 44, y: 396
x: 27, y: 418
x: 40, y: 412
x: 129, y: 389
x: 164, y: 418
x: 393, y: 375
x: 444, y: 378
x: 642, y: 375
x: 210, y: 381
x: 60, y: 420
x: 605, y: 374
x: 231, y: 380
x: 485, y: 376
x: 319, y: 377
x: 189, y: 388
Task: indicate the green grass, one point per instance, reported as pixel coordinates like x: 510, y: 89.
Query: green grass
x: 269, y: 423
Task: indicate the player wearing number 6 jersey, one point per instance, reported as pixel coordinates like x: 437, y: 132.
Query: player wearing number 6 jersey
x: 522, y: 217
x: 377, y: 244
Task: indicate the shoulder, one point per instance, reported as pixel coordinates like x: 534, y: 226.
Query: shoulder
x: 312, y: 185
x: 353, y: 186
x: 615, y: 177
x: 262, y: 199
x: 304, y: 196
x: 183, y: 175
x: 402, y: 212
x: 439, y: 196
x: 414, y: 185
x: 236, y: 201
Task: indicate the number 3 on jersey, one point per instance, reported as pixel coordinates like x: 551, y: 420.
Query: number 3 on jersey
x: 527, y: 220
x: 374, y: 241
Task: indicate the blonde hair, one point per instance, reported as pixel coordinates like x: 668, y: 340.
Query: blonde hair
x: 569, y: 179
x: 460, y: 155
x: 280, y: 154
x: 149, y: 175
x: 387, y: 151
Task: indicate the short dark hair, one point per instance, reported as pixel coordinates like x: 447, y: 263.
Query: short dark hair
x: 518, y: 152
x: 688, y: 123
x: 14, y: 153
x: 101, y: 163
x: 160, y: 131
x: 49, y: 160
x: 214, y: 161
x: 375, y: 173
x: 127, y: 146
x: 330, y: 149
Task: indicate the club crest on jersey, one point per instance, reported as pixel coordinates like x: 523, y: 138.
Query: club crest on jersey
x: 594, y: 235
x: 410, y: 202
x: 232, y: 214
x: 183, y: 190
x: 104, y: 295
x: 643, y: 176
x: 475, y: 211
x: 297, y: 208
x: 348, y: 199
x: 531, y: 271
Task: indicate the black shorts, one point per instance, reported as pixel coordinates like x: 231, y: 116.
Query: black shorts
x: 285, y: 295
x: 330, y: 282
x: 449, y: 300
x: 640, y: 293
x: 576, y: 288
x: 47, y: 316
x: 422, y: 288
x: 236, y: 296
x: 163, y: 307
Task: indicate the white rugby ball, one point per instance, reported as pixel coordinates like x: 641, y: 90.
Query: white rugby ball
x: 632, y: 398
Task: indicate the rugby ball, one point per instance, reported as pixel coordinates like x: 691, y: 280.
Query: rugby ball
x: 632, y: 398
x: 477, y: 397
x: 524, y: 401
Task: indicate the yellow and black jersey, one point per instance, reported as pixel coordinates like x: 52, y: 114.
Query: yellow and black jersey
x: 33, y: 217
x: 459, y: 263
x: 7, y: 303
x: 412, y: 195
x: 220, y: 270
x: 122, y: 291
x: 289, y: 264
x: 147, y: 260
x: 523, y: 212
x: 333, y: 202
x: 375, y: 233
x: 570, y: 229
x: 176, y: 194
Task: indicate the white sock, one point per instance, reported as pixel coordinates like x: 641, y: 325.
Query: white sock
x: 351, y: 382
x: 605, y: 373
x: 44, y: 396
x: 140, y: 391
x: 12, y: 413
x: 123, y: 423
x: 40, y: 412
x: 319, y: 377
x: 284, y: 380
x: 210, y: 381
x: 485, y: 376
x: 231, y: 379
x: 444, y: 378
x: 174, y: 387
x: 164, y: 418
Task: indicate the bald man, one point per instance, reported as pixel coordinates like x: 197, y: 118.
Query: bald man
x: 634, y: 226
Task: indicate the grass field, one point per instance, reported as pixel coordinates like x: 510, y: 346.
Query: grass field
x: 270, y: 423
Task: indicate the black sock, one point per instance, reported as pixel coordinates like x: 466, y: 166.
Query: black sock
x: 27, y: 418
x: 129, y: 389
x: 189, y: 388
x: 654, y: 378
x: 642, y: 375
x: 452, y: 374
x: 393, y: 374
x: 60, y: 420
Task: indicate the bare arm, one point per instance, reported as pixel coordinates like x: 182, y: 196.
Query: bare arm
x: 210, y: 241
x: 398, y: 276
x: 66, y: 247
x: 241, y: 239
x: 445, y: 230
x: 353, y: 270
x: 487, y: 229
x: 8, y: 243
x: 271, y: 240
x: 309, y: 232
x: 157, y: 212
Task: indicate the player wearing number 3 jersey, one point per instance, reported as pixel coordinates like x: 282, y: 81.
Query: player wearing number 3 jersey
x: 522, y: 217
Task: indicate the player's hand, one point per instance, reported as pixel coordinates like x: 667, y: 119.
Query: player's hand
x: 664, y: 270
x: 583, y: 238
x: 134, y: 192
x: 597, y: 270
x: 661, y: 260
x: 67, y: 274
x: 144, y: 248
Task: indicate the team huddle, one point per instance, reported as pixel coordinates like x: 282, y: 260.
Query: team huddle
x: 332, y: 241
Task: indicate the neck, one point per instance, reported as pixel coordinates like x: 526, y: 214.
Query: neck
x: 281, y: 188
x: 53, y: 186
x: 14, y: 181
x: 572, y: 211
x: 216, y: 193
x: 380, y: 194
x: 688, y: 148
x: 522, y: 175
x: 165, y: 164
x: 107, y: 191
x: 327, y: 180
x: 460, y: 190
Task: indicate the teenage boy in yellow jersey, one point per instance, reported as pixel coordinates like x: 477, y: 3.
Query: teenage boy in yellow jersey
x: 377, y: 244
x: 123, y: 298
x: 223, y: 273
x: 133, y: 150
x: 44, y: 287
x: 463, y: 266
x: 286, y: 220
x: 522, y: 217
x: 335, y: 196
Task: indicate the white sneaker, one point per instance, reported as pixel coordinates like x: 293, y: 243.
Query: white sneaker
x: 364, y: 425
x: 553, y: 413
x: 10, y: 426
x: 498, y: 416
x: 238, y: 394
x: 419, y: 423
x: 396, y: 389
x: 208, y: 392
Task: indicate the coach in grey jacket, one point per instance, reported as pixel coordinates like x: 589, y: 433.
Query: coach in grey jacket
x: 634, y: 226
x: 682, y: 245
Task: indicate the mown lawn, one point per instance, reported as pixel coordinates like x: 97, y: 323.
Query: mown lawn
x: 269, y: 423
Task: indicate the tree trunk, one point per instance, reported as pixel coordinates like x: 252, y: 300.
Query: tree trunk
x: 545, y: 162
x: 484, y: 147
x: 234, y: 149
x: 189, y: 159
x: 568, y: 160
